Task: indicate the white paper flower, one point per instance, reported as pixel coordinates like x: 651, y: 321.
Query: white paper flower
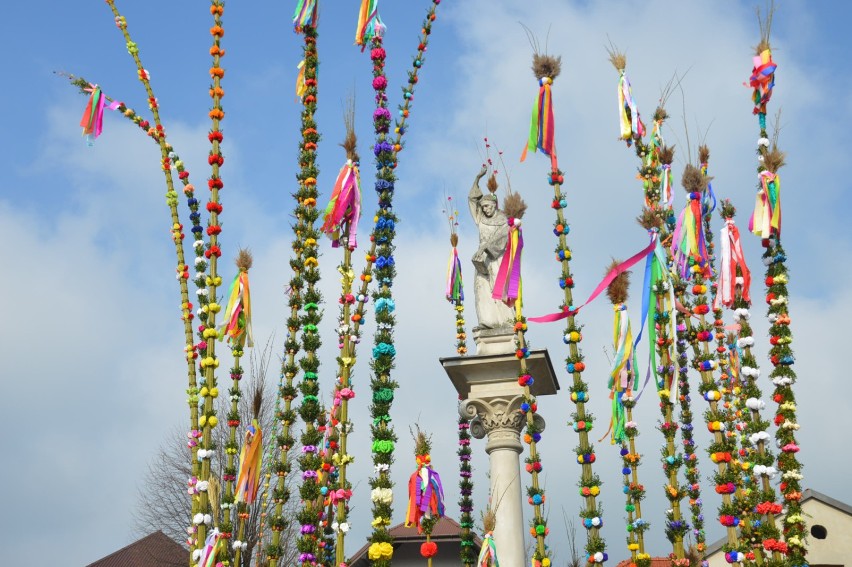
x: 203, y: 485
x: 208, y: 519
x: 768, y: 261
x: 381, y: 467
x: 202, y: 292
x: 236, y: 545
x: 755, y: 404
x: 200, y: 260
x: 198, y: 519
x: 196, y: 554
x: 763, y: 142
x: 244, y: 545
x: 745, y: 342
x: 598, y: 557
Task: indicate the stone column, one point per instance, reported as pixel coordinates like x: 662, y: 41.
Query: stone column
x: 500, y: 419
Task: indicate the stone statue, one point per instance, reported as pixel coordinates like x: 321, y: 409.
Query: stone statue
x: 493, y: 235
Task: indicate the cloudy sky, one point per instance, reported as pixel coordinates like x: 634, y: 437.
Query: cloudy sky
x: 92, y: 362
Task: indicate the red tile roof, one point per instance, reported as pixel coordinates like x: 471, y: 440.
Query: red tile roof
x: 154, y: 550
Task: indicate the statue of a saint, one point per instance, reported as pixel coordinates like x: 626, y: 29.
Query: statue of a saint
x: 493, y: 235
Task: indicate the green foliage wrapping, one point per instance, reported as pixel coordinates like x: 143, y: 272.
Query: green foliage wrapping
x: 589, y: 482
x: 309, y: 320
x: 381, y: 262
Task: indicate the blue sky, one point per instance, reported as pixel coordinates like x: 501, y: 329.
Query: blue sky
x: 92, y: 345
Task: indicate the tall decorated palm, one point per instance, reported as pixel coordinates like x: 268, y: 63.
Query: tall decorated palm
x: 755, y: 499
x: 666, y: 364
x: 542, y: 138
x: 454, y: 293
x: 340, y: 223
x: 624, y: 430
x: 381, y: 266
x: 766, y: 224
x: 425, y: 496
x: 305, y: 23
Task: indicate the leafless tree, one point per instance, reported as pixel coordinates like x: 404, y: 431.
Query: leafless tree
x: 163, y: 502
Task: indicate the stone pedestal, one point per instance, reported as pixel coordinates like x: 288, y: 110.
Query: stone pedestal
x: 491, y: 399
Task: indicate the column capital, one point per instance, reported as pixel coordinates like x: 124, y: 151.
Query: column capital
x: 499, y: 418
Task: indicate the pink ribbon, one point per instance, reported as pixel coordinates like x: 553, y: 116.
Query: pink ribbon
x: 611, y: 275
x: 507, y: 283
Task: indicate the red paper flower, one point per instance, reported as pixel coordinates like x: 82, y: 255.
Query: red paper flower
x: 428, y: 549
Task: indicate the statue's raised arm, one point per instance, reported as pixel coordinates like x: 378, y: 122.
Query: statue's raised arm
x: 493, y: 235
x: 474, y: 198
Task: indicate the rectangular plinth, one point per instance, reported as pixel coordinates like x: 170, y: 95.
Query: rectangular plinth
x: 489, y: 375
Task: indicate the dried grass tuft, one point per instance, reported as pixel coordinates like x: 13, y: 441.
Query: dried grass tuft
x: 492, y: 184
x: 489, y: 520
x: 454, y: 240
x: 546, y: 66
x: 350, y: 141
x: 617, y: 58
x: 422, y: 441
x: 703, y: 154
x: 765, y: 23
x: 774, y: 159
x: 693, y: 180
x: 650, y: 218
x: 244, y: 260
x: 619, y: 289
x: 660, y: 114
x: 514, y: 206
x: 667, y: 155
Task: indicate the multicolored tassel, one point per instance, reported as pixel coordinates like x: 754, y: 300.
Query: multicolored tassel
x: 762, y: 80
x: 344, y: 209
x: 628, y: 111
x: 455, y: 286
x: 425, y: 493
x: 301, y: 87
x: 732, y: 259
x: 251, y: 454
x: 214, y: 546
x: 488, y: 552
x: 237, y: 321
x: 507, y: 285
x: 688, y: 241
x: 657, y: 277
x: 93, y: 117
x: 370, y: 24
x: 305, y: 15
x: 623, y: 365
x: 542, y: 124
x: 766, y: 219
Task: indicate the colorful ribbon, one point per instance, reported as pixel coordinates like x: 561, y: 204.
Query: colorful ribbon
x: 251, y: 454
x: 455, y: 286
x: 623, y: 364
x: 542, y: 124
x: 656, y: 273
x: 213, y: 547
x: 237, y: 322
x: 766, y: 219
x: 301, y: 87
x: 425, y: 495
x: 370, y: 24
x: 732, y: 258
x: 507, y: 283
x: 93, y: 117
x: 762, y: 80
x: 611, y: 275
x: 488, y: 552
x: 688, y: 242
x: 628, y: 111
x: 344, y: 208
x: 306, y: 14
